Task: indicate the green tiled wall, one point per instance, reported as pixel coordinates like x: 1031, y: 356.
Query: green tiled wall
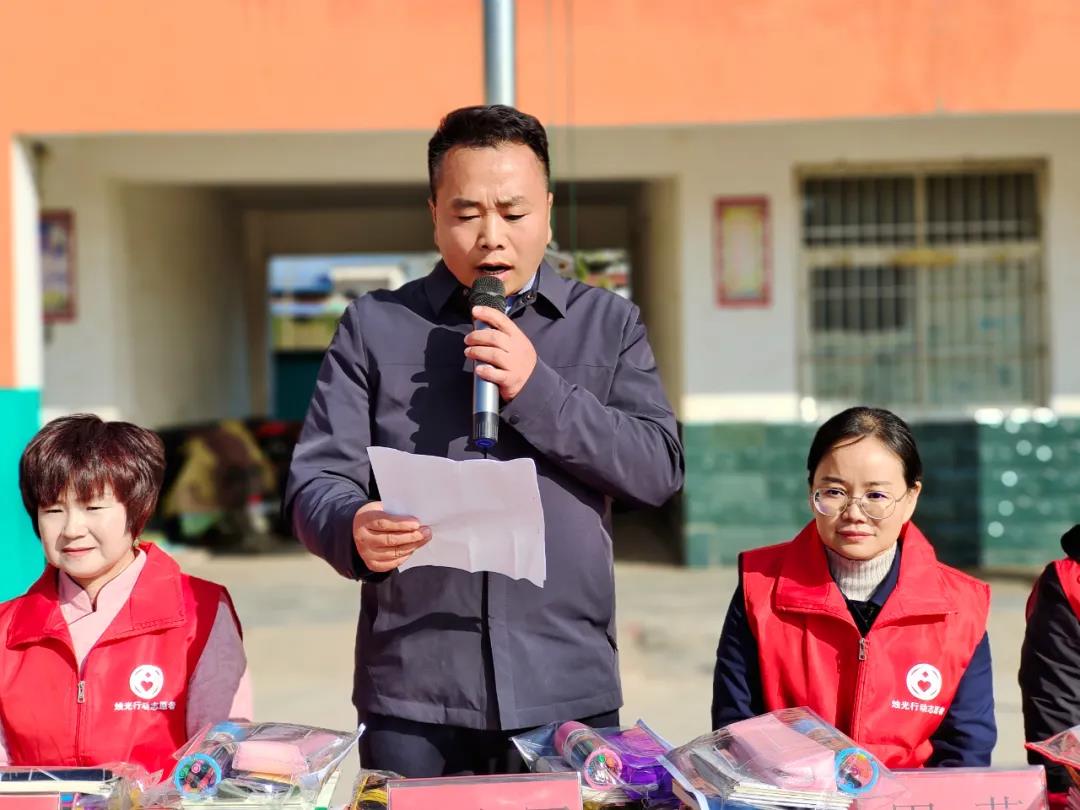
x: 20, y: 550
x: 1029, y: 490
x: 994, y: 495
x: 949, y: 506
x: 745, y: 487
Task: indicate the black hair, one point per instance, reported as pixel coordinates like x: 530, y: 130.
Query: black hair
x: 85, y: 454
x: 859, y: 422
x: 486, y: 126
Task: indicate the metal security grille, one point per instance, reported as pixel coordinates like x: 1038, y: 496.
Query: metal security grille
x: 924, y: 288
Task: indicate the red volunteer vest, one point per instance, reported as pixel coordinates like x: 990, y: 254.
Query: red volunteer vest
x: 131, y: 702
x: 887, y: 691
x: 1068, y: 575
x: 1068, y: 571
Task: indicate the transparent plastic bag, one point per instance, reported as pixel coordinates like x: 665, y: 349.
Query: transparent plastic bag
x: 264, y: 763
x: 369, y: 789
x: 789, y: 758
x: 1063, y: 748
x: 617, y: 766
x: 114, y: 786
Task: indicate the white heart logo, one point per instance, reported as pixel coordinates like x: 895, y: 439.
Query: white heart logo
x: 147, y: 681
x: 924, y: 681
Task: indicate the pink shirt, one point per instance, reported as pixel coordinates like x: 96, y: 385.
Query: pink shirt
x: 220, y: 687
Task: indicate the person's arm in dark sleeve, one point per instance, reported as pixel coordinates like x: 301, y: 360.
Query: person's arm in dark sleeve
x: 968, y: 731
x: 329, y: 472
x: 1050, y: 672
x: 737, y: 676
x: 627, y: 448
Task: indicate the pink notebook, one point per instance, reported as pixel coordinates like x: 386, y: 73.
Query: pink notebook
x: 774, y: 753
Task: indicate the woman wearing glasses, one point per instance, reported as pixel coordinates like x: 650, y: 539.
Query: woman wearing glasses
x: 856, y: 618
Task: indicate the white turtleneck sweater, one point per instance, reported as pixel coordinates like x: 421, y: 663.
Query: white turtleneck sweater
x: 858, y: 579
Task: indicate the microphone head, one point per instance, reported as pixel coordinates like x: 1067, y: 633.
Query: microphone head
x: 488, y: 291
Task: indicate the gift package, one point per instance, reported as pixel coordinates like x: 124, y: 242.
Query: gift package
x: 784, y: 759
x: 617, y: 767
x: 787, y: 758
x: 272, y: 764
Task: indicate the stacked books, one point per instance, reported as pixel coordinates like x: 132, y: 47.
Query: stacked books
x: 293, y: 801
x: 24, y: 788
x: 708, y: 776
x: 16, y: 780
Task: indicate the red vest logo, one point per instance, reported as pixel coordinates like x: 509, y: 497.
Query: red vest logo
x: 147, y: 681
x: 924, y: 681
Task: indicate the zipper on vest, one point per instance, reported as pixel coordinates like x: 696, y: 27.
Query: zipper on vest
x: 80, y: 707
x: 860, y: 686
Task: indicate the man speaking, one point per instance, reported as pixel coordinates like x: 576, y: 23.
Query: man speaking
x: 450, y: 664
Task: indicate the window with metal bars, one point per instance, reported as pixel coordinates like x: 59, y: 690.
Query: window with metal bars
x: 923, y: 288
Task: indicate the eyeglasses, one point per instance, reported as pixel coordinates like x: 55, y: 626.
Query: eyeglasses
x: 831, y: 502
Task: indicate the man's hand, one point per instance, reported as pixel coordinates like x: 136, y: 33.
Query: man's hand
x: 508, y: 353
x: 386, y: 541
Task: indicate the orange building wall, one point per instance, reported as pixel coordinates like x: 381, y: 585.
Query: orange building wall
x: 713, y: 61
x: 235, y: 65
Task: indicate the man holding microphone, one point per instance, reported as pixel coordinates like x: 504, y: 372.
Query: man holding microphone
x: 451, y: 664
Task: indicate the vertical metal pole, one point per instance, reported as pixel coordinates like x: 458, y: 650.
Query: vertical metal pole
x: 500, y: 60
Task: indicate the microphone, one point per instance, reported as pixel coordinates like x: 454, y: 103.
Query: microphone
x: 487, y: 291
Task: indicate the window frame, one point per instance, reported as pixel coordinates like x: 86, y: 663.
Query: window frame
x: 921, y: 256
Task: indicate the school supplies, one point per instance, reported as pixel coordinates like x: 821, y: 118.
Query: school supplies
x: 787, y: 758
x: 273, y: 764
x: 96, y: 781
x: 586, y: 751
x: 616, y: 766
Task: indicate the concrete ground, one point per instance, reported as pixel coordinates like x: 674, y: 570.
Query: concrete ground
x: 299, y: 620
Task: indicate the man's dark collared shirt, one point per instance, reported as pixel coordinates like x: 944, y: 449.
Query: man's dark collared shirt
x: 439, y: 645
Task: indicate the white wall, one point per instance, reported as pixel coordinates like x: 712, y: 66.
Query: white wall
x: 762, y: 345
x: 734, y: 363
x: 1063, y: 277
x: 27, y: 258
x: 159, y: 333
x: 181, y: 252
x: 659, y: 283
x: 85, y: 363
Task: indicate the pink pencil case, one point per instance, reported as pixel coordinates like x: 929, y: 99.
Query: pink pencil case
x: 278, y: 757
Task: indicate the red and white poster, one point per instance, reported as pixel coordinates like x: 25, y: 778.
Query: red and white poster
x: 742, y: 269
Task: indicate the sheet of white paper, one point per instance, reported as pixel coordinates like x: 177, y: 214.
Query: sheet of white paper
x: 484, y: 515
